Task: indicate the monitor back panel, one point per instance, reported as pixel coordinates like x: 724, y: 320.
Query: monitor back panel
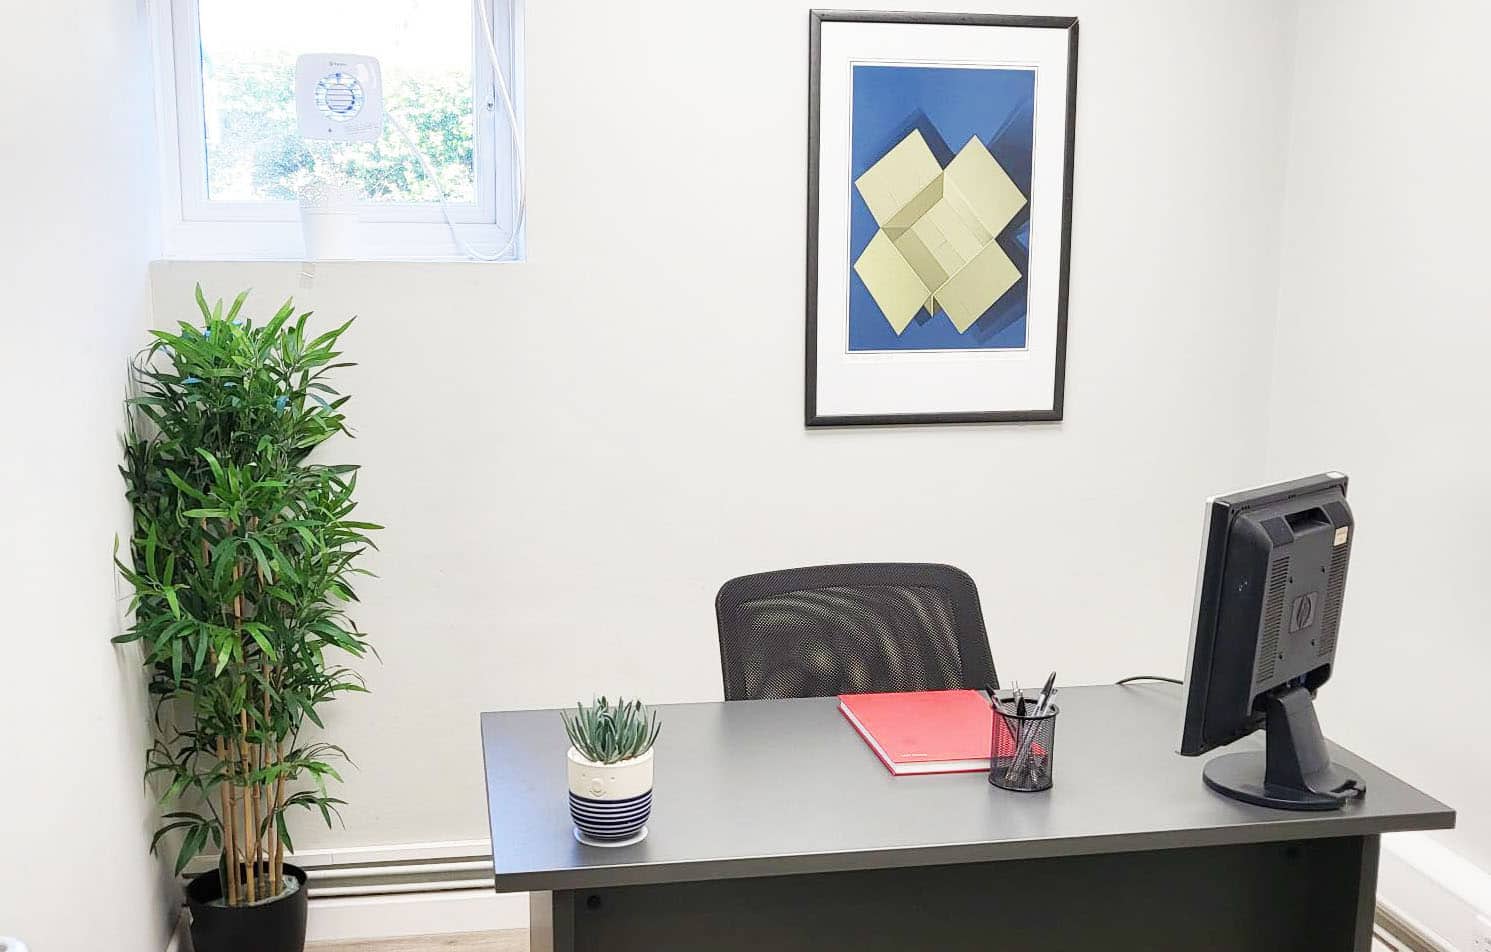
x: 1270, y: 610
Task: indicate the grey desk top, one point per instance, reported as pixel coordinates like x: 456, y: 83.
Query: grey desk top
x: 756, y: 788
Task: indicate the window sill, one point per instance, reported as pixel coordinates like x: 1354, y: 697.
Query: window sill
x: 412, y: 242
x: 303, y: 260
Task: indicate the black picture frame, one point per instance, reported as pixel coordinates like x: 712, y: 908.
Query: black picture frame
x: 816, y: 18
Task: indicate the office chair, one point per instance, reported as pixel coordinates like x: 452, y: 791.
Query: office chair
x: 848, y: 629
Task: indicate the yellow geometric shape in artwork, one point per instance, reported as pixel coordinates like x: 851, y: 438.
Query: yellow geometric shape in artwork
x: 893, y: 283
x: 978, y: 183
x: 926, y: 251
x: 925, y: 200
x: 898, y: 178
x: 969, y: 293
x: 935, y: 247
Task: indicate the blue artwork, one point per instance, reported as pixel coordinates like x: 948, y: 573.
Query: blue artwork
x: 940, y: 207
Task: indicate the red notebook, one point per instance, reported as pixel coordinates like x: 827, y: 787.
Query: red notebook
x: 924, y: 732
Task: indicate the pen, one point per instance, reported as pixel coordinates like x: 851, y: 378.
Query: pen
x: 1046, y: 693
x: 1028, y: 730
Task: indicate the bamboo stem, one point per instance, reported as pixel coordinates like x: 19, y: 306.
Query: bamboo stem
x: 264, y: 813
x: 230, y: 846
x: 250, y: 792
x: 225, y: 785
x: 248, y: 823
x: 264, y: 890
x: 236, y: 860
x: 272, y: 833
x: 279, y: 808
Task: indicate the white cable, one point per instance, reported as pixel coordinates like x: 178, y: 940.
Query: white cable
x: 429, y: 171
x: 512, y: 122
x: 517, y: 139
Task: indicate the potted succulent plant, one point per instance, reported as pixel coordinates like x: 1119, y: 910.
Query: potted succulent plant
x: 610, y: 770
x: 241, y: 560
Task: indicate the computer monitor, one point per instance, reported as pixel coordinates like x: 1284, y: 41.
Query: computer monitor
x: 1268, y: 612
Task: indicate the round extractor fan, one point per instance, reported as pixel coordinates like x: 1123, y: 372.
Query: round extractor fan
x: 339, y: 96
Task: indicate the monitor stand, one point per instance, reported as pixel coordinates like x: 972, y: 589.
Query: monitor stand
x: 1294, y: 771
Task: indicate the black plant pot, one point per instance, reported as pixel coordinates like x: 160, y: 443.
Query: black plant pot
x: 275, y: 926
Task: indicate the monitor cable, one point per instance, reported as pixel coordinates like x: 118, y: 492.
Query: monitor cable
x: 1149, y: 677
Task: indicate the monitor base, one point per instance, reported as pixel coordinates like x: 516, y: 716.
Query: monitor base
x: 1241, y: 777
x: 1294, y: 771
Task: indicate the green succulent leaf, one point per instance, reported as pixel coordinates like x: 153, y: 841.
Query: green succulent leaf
x: 610, y: 733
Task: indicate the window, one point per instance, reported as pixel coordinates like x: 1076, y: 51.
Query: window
x: 233, y: 160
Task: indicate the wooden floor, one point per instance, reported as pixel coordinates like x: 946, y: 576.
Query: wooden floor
x: 513, y: 940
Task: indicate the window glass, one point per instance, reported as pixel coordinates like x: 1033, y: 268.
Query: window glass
x: 254, y: 152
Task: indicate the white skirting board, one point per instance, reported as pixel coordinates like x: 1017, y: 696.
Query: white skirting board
x: 1437, y: 893
x: 374, y: 892
x: 386, y: 917
x: 406, y: 889
x: 376, y: 917
x: 441, y: 888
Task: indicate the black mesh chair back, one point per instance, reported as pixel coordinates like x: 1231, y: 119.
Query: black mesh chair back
x: 848, y: 629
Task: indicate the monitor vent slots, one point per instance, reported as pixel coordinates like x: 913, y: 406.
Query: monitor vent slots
x: 1273, y: 618
x: 1335, y: 590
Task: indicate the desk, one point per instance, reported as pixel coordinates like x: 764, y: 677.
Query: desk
x: 775, y: 827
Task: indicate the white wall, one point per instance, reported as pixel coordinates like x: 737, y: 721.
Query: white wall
x: 1380, y: 372
x: 74, y: 821
x: 573, y: 453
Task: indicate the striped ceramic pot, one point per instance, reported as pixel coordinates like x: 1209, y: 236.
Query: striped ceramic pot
x: 610, y: 803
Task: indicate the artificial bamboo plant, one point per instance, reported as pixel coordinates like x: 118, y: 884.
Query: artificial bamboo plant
x: 241, y: 560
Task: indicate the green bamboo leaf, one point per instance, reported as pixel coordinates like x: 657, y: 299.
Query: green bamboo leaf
x: 190, y: 846
x: 181, y: 485
x: 163, y: 831
x: 212, y: 463
x: 150, y: 545
x: 272, y: 329
x: 261, y: 559
x: 224, y: 658
x: 310, y: 712
x: 264, y: 645
x: 237, y: 306
x: 279, y: 820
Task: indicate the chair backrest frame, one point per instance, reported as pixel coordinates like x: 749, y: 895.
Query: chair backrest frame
x: 972, y: 641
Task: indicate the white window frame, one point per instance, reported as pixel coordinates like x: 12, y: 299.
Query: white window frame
x: 196, y: 228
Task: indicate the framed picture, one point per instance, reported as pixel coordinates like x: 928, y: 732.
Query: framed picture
x: 939, y: 216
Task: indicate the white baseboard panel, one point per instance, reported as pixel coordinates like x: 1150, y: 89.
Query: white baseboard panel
x: 436, y: 913
x: 1434, y: 891
x: 179, y: 941
x: 435, y: 888
x: 386, y: 917
x: 426, y: 852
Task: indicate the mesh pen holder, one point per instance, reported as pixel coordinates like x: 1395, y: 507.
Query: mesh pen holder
x: 1023, y: 750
